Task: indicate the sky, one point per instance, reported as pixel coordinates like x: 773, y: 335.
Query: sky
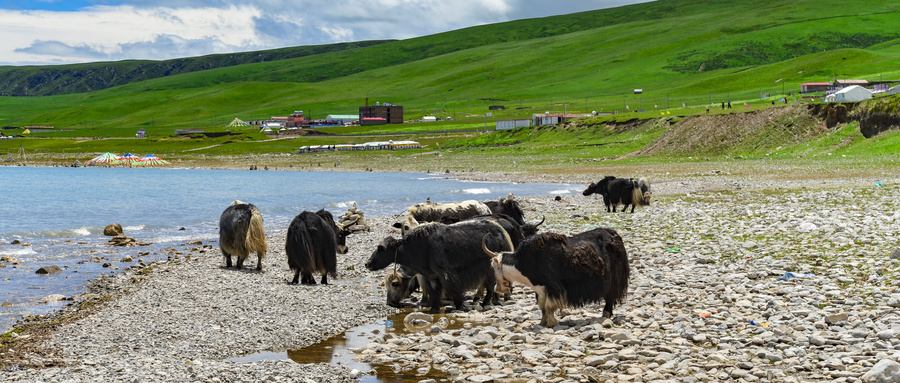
x: 51, y: 32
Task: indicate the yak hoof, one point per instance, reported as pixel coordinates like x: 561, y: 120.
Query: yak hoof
x: 607, y: 314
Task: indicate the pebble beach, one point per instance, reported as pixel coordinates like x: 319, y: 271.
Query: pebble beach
x: 745, y: 281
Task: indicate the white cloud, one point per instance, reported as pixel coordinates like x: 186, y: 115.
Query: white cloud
x: 164, y: 29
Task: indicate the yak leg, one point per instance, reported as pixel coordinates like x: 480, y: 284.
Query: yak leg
x: 324, y: 280
x: 227, y: 259
x: 434, y: 295
x: 632, y: 208
x: 240, y: 262
x: 296, y: 277
x: 307, y: 278
x: 608, y: 308
x: 259, y: 257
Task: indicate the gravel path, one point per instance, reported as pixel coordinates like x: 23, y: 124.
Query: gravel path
x: 705, y: 302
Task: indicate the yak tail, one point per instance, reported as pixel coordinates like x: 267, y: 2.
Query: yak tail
x: 256, y: 235
x: 618, y: 267
x: 639, y: 197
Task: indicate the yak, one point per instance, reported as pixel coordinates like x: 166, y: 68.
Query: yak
x: 401, y: 283
x: 443, y: 212
x: 241, y: 232
x: 313, y: 239
x: 448, y: 258
x: 623, y: 191
x: 566, y: 271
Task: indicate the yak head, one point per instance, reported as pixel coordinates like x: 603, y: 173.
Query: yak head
x: 408, y: 223
x: 384, y: 254
x: 530, y: 229
x: 398, y: 286
x: 503, y: 285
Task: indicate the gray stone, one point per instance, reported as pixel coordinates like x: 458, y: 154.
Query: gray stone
x: 896, y: 253
x: 836, y: 318
x: 52, y: 269
x: 885, y: 371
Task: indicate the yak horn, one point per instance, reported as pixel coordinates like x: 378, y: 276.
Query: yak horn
x: 485, y: 248
x: 542, y: 221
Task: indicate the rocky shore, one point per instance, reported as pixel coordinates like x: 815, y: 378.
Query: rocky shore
x: 749, y: 282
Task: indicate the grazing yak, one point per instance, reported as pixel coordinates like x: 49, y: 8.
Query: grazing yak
x: 313, y: 239
x: 566, y: 271
x: 623, y: 191
x: 401, y: 283
x: 442, y: 212
x: 241, y: 232
x: 448, y: 257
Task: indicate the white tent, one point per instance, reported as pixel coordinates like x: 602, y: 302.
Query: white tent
x: 852, y: 93
x: 894, y: 90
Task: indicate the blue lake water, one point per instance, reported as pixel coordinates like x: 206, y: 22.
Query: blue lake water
x: 61, y: 213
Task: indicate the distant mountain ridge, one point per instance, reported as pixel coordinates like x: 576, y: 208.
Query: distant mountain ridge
x: 81, y: 78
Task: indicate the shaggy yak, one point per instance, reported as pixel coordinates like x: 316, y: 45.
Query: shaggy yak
x: 402, y: 282
x: 623, y: 191
x: 448, y: 257
x: 566, y: 271
x: 440, y: 212
x: 241, y: 232
x: 313, y: 239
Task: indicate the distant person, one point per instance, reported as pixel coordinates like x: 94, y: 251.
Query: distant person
x: 729, y: 104
x: 723, y: 104
x: 707, y: 110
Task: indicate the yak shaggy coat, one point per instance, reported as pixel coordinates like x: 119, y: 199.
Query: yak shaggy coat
x: 567, y: 271
x: 313, y: 239
x: 241, y: 232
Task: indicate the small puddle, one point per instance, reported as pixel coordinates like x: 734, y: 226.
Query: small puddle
x: 336, y: 350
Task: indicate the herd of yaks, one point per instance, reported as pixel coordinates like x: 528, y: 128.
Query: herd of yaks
x: 448, y: 249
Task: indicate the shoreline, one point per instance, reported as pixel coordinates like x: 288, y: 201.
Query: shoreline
x: 182, y: 320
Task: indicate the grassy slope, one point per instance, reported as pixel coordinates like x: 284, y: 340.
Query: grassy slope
x: 594, y: 67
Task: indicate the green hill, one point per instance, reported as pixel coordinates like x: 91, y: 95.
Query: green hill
x: 684, y: 55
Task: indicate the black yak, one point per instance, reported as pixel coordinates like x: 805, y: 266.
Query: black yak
x: 623, y: 191
x: 313, y: 239
x: 241, y: 232
x: 448, y: 257
x: 400, y: 284
x: 567, y: 271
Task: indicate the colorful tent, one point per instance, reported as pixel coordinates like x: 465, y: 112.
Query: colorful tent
x: 129, y: 159
x: 238, y: 123
x: 104, y: 159
x: 151, y: 160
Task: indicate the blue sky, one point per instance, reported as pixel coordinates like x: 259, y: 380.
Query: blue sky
x: 53, y: 32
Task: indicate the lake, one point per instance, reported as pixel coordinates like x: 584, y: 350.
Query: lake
x: 61, y: 213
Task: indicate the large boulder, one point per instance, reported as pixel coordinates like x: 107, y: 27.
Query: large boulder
x: 122, y: 240
x: 113, y: 230
x: 52, y: 269
x: 885, y: 371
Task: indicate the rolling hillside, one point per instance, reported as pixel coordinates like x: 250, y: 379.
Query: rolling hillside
x: 683, y: 55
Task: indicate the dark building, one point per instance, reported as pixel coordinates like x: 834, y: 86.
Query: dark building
x: 393, y: 114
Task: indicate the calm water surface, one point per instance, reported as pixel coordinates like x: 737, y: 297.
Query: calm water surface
x: 61, y: 213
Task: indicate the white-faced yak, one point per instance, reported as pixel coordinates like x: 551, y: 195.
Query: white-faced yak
x: 313, y: 241
x: 241, y: 232
x: 448, y: 257
x: 625, y: 191
x: 566, y: 271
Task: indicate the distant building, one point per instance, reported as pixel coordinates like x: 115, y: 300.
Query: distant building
x: 553, y: 119
x: 296, y: 119
x: 141, y: 133
x: 429, y: 118
x: 345, y: 119
x: 838, y: 84
x: 513, y: 124
x: 850, y: 94
x: 368, y: 121
x: 811, y: 87
x: 392, y: 114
